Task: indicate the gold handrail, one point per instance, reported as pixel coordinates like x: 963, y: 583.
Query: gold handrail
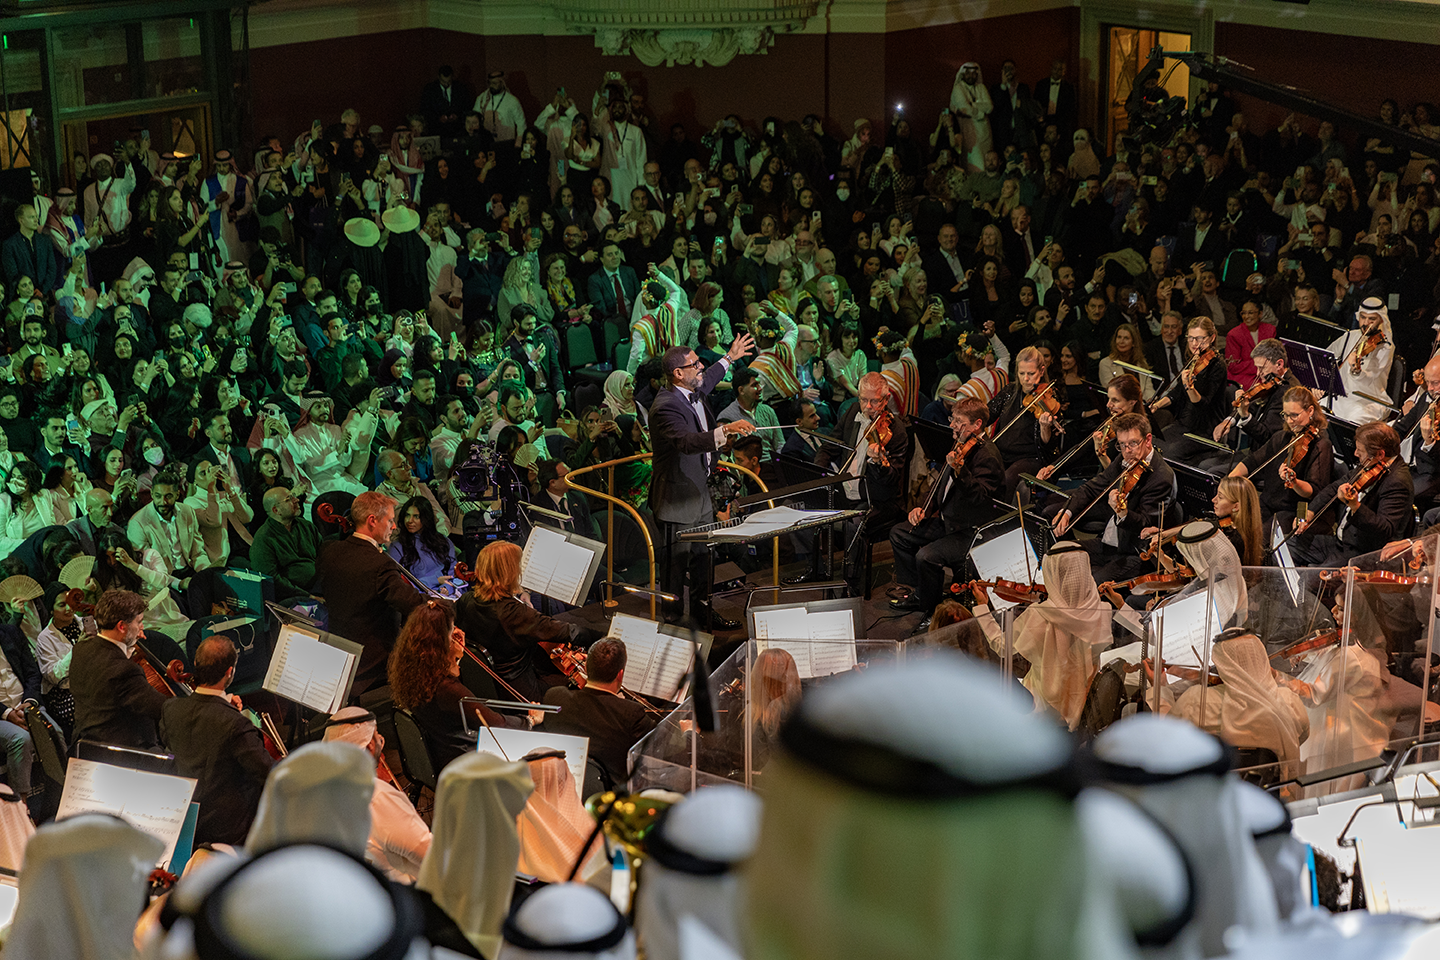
x: 609, y: 466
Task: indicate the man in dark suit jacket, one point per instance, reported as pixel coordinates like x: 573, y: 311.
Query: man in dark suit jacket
x: 235, y: 460
x: 597, y: 711
x: 940, y: 536
x: 113, y: 702
x: 1368, y: 519
x: 1202, y: 241
x: 944, y: 271
x: 215, y: 744
x: 686, y: 443
x: 1055, y: 96
x: 1167, y: 353
x: 1115, y: 554
x: 1019, y: 241
x: 366, y: 592
x: 559, y: 496
x: 29, y: 253
x: 443, y: 102
x: 601, y: 286
x: 99, y: 508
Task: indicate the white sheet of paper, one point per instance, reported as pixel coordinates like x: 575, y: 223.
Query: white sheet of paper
x: 832, y: 646
x: 1287, y: 565
x: 1183, y: 626
x: 1007, y: 557
x: 153, y: 802
x: 514, y: 744
x: 785, y: 623
x: 656, y: 664
x: 308, y: 671
x: 1397, y: 864
x: 571, y: 564
x: 538, y: 559
x: 770, y: 521
x: 9, y: 897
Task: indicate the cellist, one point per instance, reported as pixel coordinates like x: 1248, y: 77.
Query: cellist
x: 1127, y: 497
x: 938, y: 534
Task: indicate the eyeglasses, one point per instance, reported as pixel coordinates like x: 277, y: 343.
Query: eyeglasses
x: 1291, y: 417
x: 696, y: 363
x: 1130, y: 444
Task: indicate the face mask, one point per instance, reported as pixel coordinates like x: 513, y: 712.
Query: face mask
x: 155, y: 456
x: 842, y: 194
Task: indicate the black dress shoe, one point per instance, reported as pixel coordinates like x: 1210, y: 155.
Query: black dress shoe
x: 807, y: 577
x: 706, y: 614
x: 907, y: 603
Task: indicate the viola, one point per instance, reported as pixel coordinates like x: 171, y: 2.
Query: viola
x: 1129, y: 480
x: 169, y: 679
x: 1011, y: 590
x: 880, y: 432
x: 327, y: 512
x: 1261, y: 385
x: 75, y: 600
x: 1369, y: 475
x: 568, y: 660
x: 1299, y: 450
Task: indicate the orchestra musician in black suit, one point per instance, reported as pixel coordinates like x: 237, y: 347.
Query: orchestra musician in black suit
x: 1028, y: 435
x: 1350, y: 517
x: 1417, y: 424
x: 1115, y: 554
x: 367, y: 593
x: 939, y: 534
x: 1260, y: 414
x: 879, y: 469
x: 686, y: 443
x: 598, y: 711
x: 114, y: 703
x: 217, y: 745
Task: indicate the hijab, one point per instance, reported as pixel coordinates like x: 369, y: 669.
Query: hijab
x: 615, y: 400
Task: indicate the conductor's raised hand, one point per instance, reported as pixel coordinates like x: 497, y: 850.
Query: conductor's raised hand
x: 742, y: 347
x: 740, y: 427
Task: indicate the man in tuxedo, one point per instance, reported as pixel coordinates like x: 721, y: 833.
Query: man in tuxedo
x: 614, y: 287
x: 216, y: 745
x: 113, y: 702
x: 654, y: 187
x: 943, y: 267
x: 1360, y: 520
x: 686, y: 444
x: 367, y: 594
x: 1057, y: 101
x: 598, y: 711
x: 1115, y: 554
x: 559, y: 496
x: 1013, y: 119
x: 1019, y: 241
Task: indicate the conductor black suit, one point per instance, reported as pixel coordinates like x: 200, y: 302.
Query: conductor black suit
x: 684, y: 434
x: 113, y: 702
x: 368, y: 598
x: 612, y: 724
x: 215, y: 744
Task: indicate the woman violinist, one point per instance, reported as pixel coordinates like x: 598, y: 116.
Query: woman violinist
x: 1122, y: 396
x: 497, y: 615
x: 1237, y: 514
x: 1197, y: 400
x: 1286, y: 479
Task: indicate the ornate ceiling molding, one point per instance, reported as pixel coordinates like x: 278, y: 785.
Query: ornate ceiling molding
x: 684, y: 32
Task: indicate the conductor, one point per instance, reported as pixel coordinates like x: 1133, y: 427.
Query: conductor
x: 686, y: 442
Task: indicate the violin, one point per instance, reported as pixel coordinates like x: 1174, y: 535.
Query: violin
x: 327, y: 512
x: 1198, y: 363
x: 1129, y: 480
x: 75, y: 600
x: 1261, y: 385
x: 1043, y: 400
x: 1367, y: 475
x: 1010, y: 590
x: 1373, y: 341
x: 880, y: 432
x: 1317, y: 640
x: 1379, y: 579
x: 1299, y: 450
x: 568, y: 660
x: 1106, y: 434
x: 169, y: 679
x: 1185, y: 673
x: 1161, y: 582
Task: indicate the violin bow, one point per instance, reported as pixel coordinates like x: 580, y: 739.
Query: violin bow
x: 1075, y: 518
x: 1024, y: 409
x: 1310, y: 518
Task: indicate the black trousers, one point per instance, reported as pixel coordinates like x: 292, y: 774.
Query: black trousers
x: 685, y: 563
x: 923, y: 552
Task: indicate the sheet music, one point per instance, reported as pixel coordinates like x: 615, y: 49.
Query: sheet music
x: 771, y: 521
x: 1183, y: 627
x: 793, y: 629
x: 513, y: 744
x: 555, y: 566
x: 1006, y: 558
x: 308, y: 671
x: 1286, y: 564
x: 153, y: 802
x: 656, y: 665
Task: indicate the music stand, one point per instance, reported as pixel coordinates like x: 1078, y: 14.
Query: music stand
x: 1342, y: 438
x: 795, y: 472
x: 1316, y: 368
x: 1195, y: 488
x: 1304, y: 323
x: 935, y: 439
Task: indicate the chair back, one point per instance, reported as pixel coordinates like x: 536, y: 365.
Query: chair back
x: 415, y: 758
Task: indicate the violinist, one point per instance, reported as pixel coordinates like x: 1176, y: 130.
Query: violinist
x: 497, y: 615
x: 219, y: 747
x: 938, y: 534
x: 598, y: 711
x: 1197, y: 401
x: 1257, y: 410
x: 1286, y: 479
x: 1418, y: 428
x: 1237, y: 514
x: 1372, y: 507
x: 114, y: 703
x: 1122, y: 396
x: 1365, y: 356
x: 1126, y: 498
x: 1061, y: 636
x: 1025, y: 418
x: 877, y: 466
